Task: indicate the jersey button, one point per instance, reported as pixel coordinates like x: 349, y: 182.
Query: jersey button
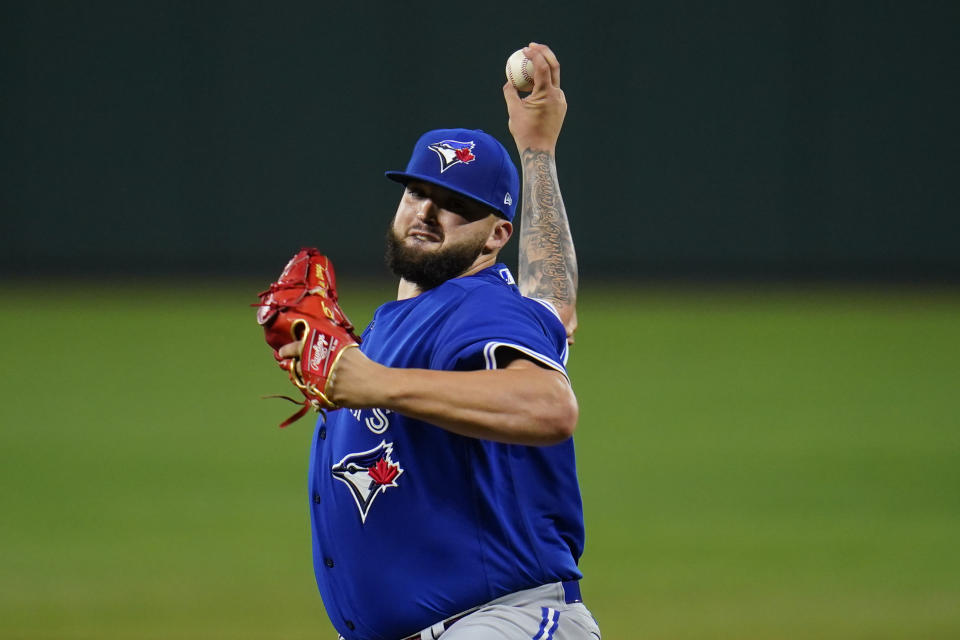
x: 323, y: 433
x: 328, y: 562
x: 316, y: 498
x: 350, y: 625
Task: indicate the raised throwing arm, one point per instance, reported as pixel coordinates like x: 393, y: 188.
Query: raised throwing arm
x: 548, y: 261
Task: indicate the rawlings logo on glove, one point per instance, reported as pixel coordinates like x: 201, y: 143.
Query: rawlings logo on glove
x: 302, y: 305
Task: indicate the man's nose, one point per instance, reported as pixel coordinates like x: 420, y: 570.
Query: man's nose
x: 427, y: 211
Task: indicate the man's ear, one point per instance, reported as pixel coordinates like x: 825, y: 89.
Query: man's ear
x: 499, y: 235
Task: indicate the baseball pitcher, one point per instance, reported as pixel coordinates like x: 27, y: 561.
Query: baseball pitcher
x: 443, y: 489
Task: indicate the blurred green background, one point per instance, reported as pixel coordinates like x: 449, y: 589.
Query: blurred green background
x: 763, y: 196
x: 756, y: 462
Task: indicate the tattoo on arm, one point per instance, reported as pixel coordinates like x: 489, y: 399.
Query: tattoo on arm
x: 548, y: 262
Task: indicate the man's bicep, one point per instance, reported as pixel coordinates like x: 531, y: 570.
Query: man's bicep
x: 490, y: 332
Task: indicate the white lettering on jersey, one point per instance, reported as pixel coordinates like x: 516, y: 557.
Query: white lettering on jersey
x: 377, y: 422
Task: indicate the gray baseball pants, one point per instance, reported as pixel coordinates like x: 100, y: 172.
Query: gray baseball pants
x: 541, y: 613
x: 534, y: 614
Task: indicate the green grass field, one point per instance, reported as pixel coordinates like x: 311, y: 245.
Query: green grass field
x: 776, y: 463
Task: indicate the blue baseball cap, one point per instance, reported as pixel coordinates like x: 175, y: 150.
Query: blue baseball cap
x: 465, y: 161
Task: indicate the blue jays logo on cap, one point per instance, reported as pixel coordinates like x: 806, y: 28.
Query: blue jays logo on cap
x: 482, y: 169
x: 368, y: 474
x: 453, y: 152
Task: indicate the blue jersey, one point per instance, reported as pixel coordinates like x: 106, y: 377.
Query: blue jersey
x: 413, y: 524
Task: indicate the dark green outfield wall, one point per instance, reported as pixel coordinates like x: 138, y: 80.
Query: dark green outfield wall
x: 754, y: 138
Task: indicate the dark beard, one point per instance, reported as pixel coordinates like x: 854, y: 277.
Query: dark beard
x: 429, y: 269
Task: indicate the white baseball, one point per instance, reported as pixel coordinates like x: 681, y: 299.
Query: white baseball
x: 520, y: 71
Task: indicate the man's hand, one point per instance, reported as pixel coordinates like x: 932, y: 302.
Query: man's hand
x: 311, y: 361
x: 348, y: 383
x: 535, y: 121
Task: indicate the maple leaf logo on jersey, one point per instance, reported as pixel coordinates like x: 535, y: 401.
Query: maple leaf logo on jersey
x: 453, y: 152
x: 368, y: 474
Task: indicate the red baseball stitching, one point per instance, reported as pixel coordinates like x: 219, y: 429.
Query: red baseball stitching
x: 523, y: 70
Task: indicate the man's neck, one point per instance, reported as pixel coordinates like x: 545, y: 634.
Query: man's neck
x: 407, y: 290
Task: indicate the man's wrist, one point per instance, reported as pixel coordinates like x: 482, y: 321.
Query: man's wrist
x: 378, y: 386
x: 537, y: 146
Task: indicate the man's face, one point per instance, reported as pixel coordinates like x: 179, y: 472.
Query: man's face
x: 437, y: 235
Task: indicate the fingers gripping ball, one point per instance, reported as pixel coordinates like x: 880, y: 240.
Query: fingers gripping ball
x: 520, y: 71
x: 302, y: 304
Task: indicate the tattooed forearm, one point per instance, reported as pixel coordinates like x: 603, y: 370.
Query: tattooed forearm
x: 548, y: 263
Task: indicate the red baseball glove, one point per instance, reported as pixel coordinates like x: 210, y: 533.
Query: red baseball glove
x: 302, y: 304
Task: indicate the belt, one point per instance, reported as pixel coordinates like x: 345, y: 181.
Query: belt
x: 571, y: 594
x: 571, y: 591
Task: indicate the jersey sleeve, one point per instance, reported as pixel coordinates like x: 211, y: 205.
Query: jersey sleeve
x: 491, y: 322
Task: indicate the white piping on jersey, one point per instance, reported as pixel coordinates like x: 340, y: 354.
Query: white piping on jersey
x: 489, y: 354
x: 549, y: 305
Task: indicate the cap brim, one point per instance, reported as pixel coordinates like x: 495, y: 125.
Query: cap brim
x: 403, y: 178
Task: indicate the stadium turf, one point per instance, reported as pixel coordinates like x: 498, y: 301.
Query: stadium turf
x: 755, y: 463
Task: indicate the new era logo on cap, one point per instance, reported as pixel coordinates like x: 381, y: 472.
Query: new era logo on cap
x: 453, y: 152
